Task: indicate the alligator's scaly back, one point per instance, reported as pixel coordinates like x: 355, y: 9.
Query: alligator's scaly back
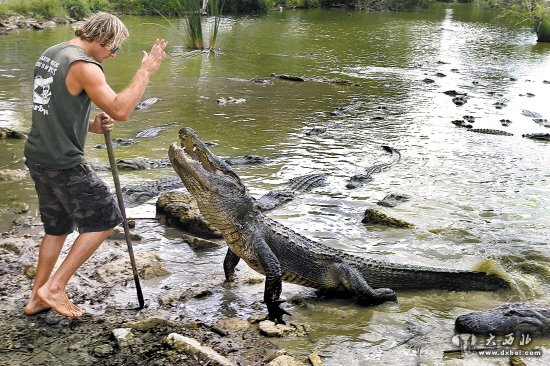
x: 282, y: 254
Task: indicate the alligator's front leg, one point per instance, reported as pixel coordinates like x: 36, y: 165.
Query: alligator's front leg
x: 354, y: 282
x: 273, y: 281
x: 229, y: 263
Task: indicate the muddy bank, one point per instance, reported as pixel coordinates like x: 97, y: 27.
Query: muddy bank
x: 113, y: 331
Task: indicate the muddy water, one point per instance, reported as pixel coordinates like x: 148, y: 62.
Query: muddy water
x: 472, y: 196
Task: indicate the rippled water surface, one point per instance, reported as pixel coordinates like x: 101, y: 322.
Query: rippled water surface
x: 472, y: 196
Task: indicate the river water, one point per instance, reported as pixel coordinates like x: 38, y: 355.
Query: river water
x: 472, y: 196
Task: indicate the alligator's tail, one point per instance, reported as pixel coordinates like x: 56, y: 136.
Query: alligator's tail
x: 406, y: 277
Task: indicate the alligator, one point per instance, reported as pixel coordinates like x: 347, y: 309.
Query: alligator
x: 341, y: 111
x: 135, y: 164
x: 530, y: 114
x: 537, y: 136
x: 461, y: 123
x: 490, y: 131
x: 357, y: 180
x: 246, y: 160
x: 517, y: 318
x: 460, y: 100
x: 281, y: 254
x: 277, y: 197
x: 393, y: 199
x: 315, y: 79
x: 6, y: 133
x: 118, y: 142
x: 315, y: 131
x: 139, y: 193
x: 501, y: 103
x: 147, y: 103
x: 154, y: 131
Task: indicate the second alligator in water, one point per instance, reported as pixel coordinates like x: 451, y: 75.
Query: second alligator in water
x: 522, y: 318
x: 357, y: 180
x: 281, y: 254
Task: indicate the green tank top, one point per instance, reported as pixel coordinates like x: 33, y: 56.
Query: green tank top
x: 59, y: 119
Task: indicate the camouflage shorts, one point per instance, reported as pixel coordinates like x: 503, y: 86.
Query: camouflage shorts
x: 74, y: 197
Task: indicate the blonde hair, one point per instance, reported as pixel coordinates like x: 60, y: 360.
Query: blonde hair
x: 105, y: 28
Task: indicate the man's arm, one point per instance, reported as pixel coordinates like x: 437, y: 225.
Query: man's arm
x: 119, y: 106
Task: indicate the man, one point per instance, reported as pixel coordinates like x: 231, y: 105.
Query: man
x: 67, y: 78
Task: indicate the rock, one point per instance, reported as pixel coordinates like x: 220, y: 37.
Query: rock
x: 276, y: 354
x: 118, y: 234
x: 196, y: 292
x: 149, y: 265
x: 192, y: 347
x: 315, y: 359
x: 181, y: 210
x: 7, y: 133
x: 30, y: 271
x: 375, y: 217
x: 11, y: 247
x: 428, y: 81
x: 270, y: 329
x: 517, y: 361
x: 103, y: 350
x: 147, y: 323
x: 16, y: 207
x: 120, y: 270
x: 12, y: 174
x: 27, y: 221
x: 199, y: 243
x: 285, y: 360
x: 122, y: 336
x: 232, y: 325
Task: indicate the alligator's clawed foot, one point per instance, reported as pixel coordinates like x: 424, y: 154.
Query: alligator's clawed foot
x: 275, y: 312
x: 378, y: 296
x: 384, y: 294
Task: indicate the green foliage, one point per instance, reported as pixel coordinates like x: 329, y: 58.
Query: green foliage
x: 531, y: 12
x: 77, y: 9
x: 245, y: 6
x: 99, y: 5
x: 192, y: 10
x: 47, y: 9
x: 215, y: 10
x: 303, y: 4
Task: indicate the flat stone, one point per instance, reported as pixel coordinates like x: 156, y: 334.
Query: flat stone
x: 103, y: 350
x: 315, y: 360
x: 270, y: 329
x: 286, y: 360
x: 192, y: 347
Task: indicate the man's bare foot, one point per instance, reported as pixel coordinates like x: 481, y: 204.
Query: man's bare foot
x: 35, y: 306
x: 58, y: 301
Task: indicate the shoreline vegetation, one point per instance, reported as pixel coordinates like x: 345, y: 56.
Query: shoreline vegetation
x: 41, y: 14
x: 44, y: 10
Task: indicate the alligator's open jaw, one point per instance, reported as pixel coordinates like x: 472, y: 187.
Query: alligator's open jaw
x: 195, y: 160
